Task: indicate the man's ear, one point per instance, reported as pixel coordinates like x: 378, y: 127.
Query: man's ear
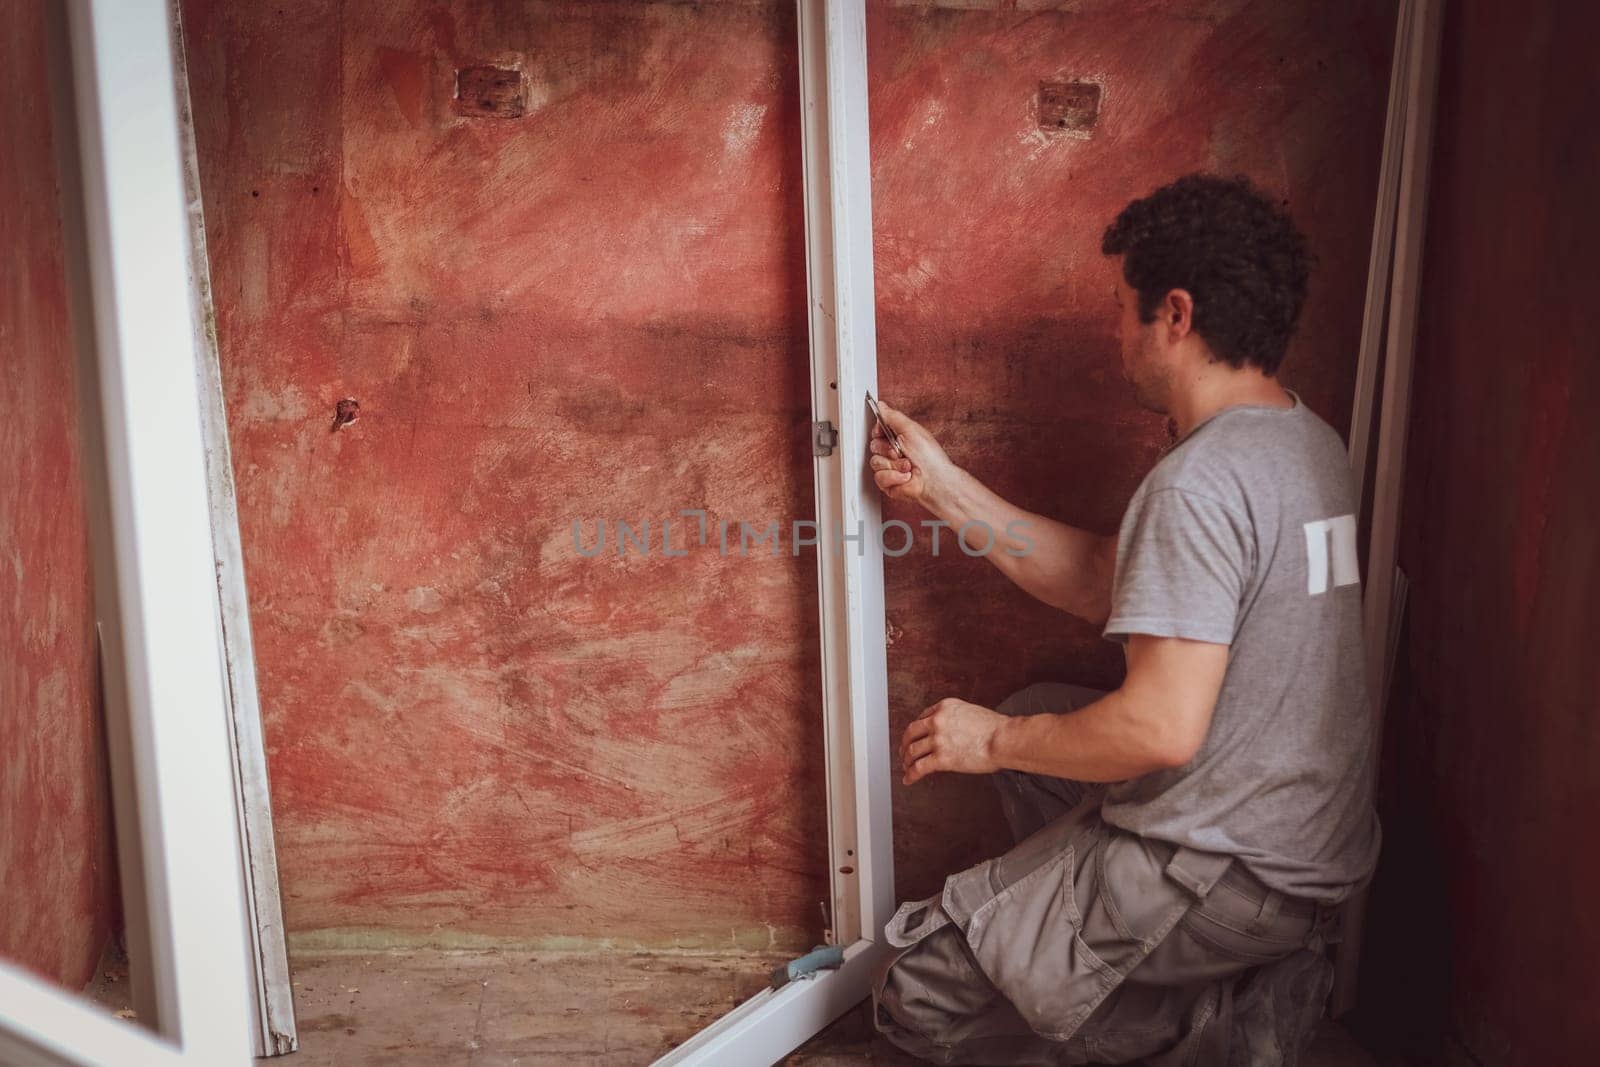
x: 1177, y: 314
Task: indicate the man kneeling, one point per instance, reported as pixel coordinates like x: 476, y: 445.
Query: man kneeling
x: 1183, y: 840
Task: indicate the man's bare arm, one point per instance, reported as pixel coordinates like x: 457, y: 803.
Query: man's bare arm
x: 1156, y: 720
x: 1062, y: 565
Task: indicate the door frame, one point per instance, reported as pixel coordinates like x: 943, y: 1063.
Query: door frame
x: 272, y: 993
x: 131, y: 308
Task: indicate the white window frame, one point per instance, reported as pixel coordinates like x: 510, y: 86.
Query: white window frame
x: 855, y: 697
x: 133, y: 280
x: 272, y: 994
x: 132, y: 305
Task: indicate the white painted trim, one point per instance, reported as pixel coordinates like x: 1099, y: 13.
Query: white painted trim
x: 1381, y: 255
x: 45, y: 1026
x: 129, y: 237
x: 1404, y: 300
x: 1380, y: 619
x: 855, y: 699
x: 844, y: 366
x: 272, y: 993
x: 774, y: 1023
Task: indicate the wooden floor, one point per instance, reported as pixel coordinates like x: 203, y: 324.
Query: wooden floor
x: 487, y: 1009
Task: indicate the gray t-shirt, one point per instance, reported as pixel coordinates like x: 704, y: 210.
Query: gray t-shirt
x: 1245, y: 535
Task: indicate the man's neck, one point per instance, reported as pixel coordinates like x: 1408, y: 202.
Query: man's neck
x: 1215, y: 387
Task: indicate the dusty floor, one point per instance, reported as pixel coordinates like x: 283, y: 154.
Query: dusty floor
x: 487, y: 1009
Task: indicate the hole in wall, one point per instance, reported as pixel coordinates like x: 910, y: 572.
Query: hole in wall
x: 345, y: 412
x: 490, y: 92
x: 1073, y: 106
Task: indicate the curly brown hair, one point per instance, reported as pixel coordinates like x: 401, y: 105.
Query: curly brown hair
x: 1236, y: 253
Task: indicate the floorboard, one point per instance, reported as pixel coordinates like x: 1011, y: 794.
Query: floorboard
x: 495, y: 1009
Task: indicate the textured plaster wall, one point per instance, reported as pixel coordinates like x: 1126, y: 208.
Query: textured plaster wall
x: 596, y: 310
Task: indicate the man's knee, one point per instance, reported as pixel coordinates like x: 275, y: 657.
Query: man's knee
x: 932, y: 996
x: 1048, y: 698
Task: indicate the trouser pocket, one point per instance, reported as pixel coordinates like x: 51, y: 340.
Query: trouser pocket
x: 1027, y: 937
x: 1230, y: 931
x: 915, y: 920
x: 1061, y: 920
x: 1243, y: 928
x: 1046, y: 930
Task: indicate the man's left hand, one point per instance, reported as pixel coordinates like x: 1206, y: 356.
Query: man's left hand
x: 951, y: 735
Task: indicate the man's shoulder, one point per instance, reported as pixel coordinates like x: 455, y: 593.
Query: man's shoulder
x: 1238, y: 453
x: 1204, y: 466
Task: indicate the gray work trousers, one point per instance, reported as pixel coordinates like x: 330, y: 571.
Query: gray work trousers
x: 1088, y: 944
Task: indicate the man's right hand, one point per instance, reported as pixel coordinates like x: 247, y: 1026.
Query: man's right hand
x: 924, y: 475
x: 1062, y: 565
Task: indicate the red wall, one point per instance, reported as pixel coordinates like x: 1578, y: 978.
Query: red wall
x: 1484, y: 906
x: 593, y: 312
x: 55, y: 860
x: 597, y: 311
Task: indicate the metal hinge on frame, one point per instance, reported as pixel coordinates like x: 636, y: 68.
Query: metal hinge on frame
x: 824, y: 437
